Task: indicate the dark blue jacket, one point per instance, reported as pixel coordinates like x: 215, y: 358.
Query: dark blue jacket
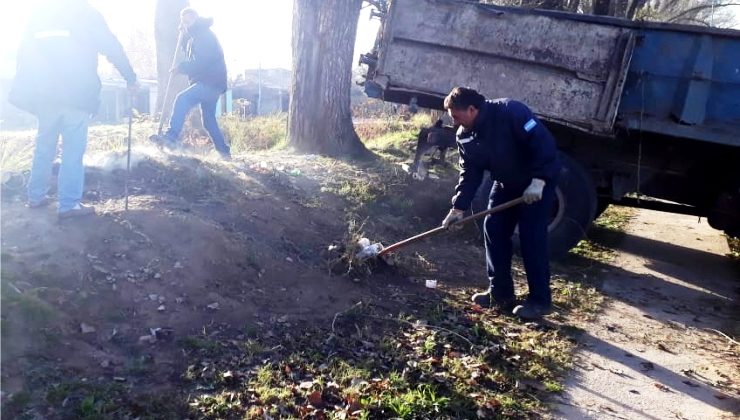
x: 511, y: 143
x: 205, y: 63
x: 58, y: 58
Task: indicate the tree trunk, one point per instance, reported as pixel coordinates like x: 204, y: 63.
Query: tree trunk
x: 634, y: 7
x: 166, y: 21
x: 319, y: 117
x: 601, y: 7
x: 542, y: 4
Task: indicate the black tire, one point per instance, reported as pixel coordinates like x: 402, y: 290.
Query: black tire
x: 601, y: 205
x: 573, y: 211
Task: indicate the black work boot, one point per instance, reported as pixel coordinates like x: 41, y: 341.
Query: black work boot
x: 485, y: 299
x: 532, y: 311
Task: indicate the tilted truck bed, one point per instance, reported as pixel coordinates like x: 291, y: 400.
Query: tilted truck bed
x: 586, y: 72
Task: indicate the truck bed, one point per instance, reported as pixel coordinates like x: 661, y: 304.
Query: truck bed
x: 594, y: 74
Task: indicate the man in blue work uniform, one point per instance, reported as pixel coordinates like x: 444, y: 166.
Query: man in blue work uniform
x: 57, y: 81
x: 504, y: 137
x: 206, y: 69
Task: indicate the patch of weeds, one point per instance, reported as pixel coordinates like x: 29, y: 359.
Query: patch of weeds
x: 268, y: 387
x: 734, y: 244
x: 139, y: 365
x: 576, y: 297
x: 25, y: 304
x: 510, y: 404
x: 420, y: 402
x: 605, y: 233
x: 593, y: 251
x: 197, y: 343
x: 116, y: 316
x: 394, y: 146
x: 253, y: 348
x: 223, y: 404
x: 86, y: 400
x: 430, y: 344
x: 258, y: 133
x: 16, y: 404
x: 356, y: 191
x: 343, y: 373
x: 551, y: 386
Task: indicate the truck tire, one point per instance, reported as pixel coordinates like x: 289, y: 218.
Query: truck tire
x: 601, y: 205
x: 573, y: 211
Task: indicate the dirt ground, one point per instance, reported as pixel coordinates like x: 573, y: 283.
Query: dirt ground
x: 226, y: 267
x: 185, y: 257
x: 656, y: 351
x: 207, y: 248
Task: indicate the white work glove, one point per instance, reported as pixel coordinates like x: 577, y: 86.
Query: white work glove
x: 453, y: 216
x: 533, y: 193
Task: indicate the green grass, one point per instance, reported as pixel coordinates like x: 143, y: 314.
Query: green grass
x: 423, y: 401
x: 554, y: 387
x: 392, y: 138
x: 606, y: 232
x: 88, y: 400
x: 192, y: 342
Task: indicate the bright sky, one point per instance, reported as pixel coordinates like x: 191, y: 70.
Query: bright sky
x: 252, y: 32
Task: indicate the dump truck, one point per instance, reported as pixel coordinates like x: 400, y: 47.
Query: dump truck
x: 645, y: 114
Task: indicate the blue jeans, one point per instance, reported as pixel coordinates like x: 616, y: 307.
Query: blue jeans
x: 186, y: 100
x: 499, y: 229
x: 72, y: 125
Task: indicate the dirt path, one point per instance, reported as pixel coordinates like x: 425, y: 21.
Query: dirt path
x: 652, y: 353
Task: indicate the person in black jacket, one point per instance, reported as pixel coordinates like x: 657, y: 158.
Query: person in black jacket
x: 57, y: 80
x: 206, y: 68
x: 504, y: 137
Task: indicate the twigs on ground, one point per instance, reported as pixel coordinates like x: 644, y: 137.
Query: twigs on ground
x: 417, y: 325
x: 730, y: 339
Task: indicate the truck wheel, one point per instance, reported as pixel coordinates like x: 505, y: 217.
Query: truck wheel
x: 601, y: 205
x: 576, y: 207
x: 573, y: 210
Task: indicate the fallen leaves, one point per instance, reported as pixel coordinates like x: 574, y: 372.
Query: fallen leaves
x: 662, y: 387
x: 315, y: 399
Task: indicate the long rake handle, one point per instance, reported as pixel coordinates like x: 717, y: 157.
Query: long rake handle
x: 169, y: 83
x: 500, y: 207
x: 128, y: 151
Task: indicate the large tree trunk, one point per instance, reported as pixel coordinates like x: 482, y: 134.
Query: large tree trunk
x: 601, y: 7
x: 635, y: 6
x: 319, y: 117
x: 166, y: 21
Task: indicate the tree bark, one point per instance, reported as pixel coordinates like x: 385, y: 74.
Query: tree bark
x: 601, y: 7
x: 635, y: 6
x: 166, y: 22
x: 319, y: 117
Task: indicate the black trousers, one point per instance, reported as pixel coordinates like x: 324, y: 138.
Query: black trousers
x: 532, y: 220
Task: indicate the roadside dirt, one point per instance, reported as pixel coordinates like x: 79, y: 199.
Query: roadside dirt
x: 656, y: 352
x: 207, y: 249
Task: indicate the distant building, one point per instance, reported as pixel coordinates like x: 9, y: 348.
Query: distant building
x: 113, y: 102
x: 114, y: 97
x: 262, y: 91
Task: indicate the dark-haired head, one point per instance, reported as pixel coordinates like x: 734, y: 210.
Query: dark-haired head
x: 463, y: 105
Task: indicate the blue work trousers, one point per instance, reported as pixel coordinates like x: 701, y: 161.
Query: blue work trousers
x: 72, y: 125
x: 207, y: 97
x: 532, y: 220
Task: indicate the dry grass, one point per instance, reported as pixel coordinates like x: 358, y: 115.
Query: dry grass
x: 259, y: 133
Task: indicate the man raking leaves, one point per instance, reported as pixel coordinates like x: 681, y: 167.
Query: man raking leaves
x: 502, y: 136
